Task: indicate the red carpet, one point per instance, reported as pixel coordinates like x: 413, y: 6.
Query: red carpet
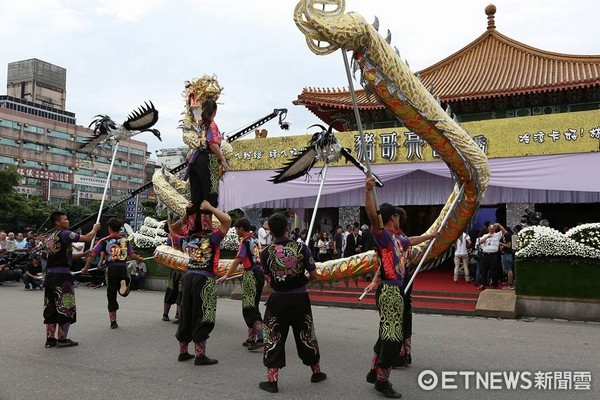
x: 434, y: 292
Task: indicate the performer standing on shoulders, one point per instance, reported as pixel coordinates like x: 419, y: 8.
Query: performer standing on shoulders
x: 114, y: 249
x: 199, y: 299
x: 59, y: 294
x: 391, y: 245
x: 286, y: 262
x: 206, y: 162
x: 253, y: 282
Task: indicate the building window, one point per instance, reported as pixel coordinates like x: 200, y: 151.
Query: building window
x: 10, y: 124
x: 136, y: 166
x: 62, y: 152
x: 119, y: 177
x: 9, y: 142
x: 136, y: 152
x: 59, y: 135
x: 7, y: 160
x: 85, y: 172
x: 58, y: 168
x: 34, y: 129
x: 123, y: 149
x: 33, y: 182
x: 61, y: 185
x: 33, y: 146
x: 31, y: 164
x: 104, y: 160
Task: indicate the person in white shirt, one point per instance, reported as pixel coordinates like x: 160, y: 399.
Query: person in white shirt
x: 264, y: 234
x: 461, y: 256
x: 490, y: 259
x: 21, y: 244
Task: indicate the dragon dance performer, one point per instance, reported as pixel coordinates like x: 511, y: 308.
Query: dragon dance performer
x: 389, y: 280
x: 59, y: 294
x: 206, y: 161
x: 114, y: 249
x: 175, y: 279
x: 285, y: 261
x: 199, y: 299
x: 253, y: 282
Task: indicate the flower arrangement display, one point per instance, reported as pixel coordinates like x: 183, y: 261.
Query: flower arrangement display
x: 587, y: 234
x: 151, y: 234
x: 580, y: 242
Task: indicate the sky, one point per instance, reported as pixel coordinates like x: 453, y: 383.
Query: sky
x: 121, y: 53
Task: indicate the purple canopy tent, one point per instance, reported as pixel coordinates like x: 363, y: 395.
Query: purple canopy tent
x: 560, y: 178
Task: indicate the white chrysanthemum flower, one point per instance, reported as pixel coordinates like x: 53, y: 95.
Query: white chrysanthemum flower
x: 586, y: 233
x: 540, y: 241
x: 151, y: 234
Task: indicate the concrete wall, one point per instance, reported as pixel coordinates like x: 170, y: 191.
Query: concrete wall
x: 561, y: 308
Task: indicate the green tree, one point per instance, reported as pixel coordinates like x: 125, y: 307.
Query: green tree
x: 16, y: 210
x: 151, y: 208
x: 76, y: 213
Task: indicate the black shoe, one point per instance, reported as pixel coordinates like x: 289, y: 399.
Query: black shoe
x: 408, y: 360
x: 205, y: 361
x: 372, y: 376
x: 66, y: 343
x: 248, y: 342
x: 50, y: 342
x: 165, y: 317
x: 259, y: 344
x: 185, y: 356
x: 270, y: 387
x: 176, y: 321
x: 385, y: 388
x: 114, y: 325
x: 318, y: 377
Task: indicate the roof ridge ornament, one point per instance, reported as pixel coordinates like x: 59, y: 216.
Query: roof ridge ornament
x: 490, y: 11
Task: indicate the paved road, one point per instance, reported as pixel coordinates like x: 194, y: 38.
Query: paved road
x: 138, y: 360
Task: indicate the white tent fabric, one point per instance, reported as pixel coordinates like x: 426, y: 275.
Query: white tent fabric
x: 561, y: 178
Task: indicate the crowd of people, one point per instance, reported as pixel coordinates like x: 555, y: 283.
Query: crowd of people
x: 490, y: 256
x: 20, y: 259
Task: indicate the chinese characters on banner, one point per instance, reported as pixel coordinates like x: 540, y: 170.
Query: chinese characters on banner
x: 536, y: 135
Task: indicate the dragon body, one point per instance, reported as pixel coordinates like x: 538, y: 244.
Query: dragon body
x: 385, y: 75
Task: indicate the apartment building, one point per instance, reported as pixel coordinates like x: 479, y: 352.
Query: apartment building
x: 43, y: 140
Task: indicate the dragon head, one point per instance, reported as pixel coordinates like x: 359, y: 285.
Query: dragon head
x: 328, y: 30
x: 198, y: 90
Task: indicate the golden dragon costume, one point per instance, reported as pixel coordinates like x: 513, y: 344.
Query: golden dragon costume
x: 390, y: 79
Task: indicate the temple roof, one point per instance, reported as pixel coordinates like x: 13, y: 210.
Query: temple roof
x: 493, y: 65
